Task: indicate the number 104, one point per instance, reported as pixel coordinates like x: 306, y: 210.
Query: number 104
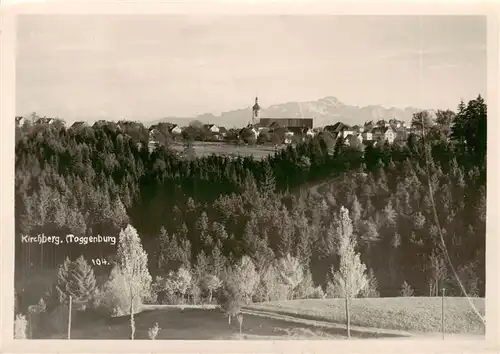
x: 99, y: 262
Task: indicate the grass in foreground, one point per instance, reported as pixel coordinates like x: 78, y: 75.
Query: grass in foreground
x: 412, y: 314
x: 199, y: 324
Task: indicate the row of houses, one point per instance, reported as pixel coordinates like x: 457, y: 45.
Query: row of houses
x: 371, y: 132
x: 20, y: 120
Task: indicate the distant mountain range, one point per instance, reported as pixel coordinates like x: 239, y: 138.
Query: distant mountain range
x: 325, y: 111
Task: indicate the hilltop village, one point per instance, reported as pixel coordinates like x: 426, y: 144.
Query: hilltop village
x: 260, y: 131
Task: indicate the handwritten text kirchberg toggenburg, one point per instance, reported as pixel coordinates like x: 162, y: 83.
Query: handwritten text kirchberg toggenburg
x: 80, y: 240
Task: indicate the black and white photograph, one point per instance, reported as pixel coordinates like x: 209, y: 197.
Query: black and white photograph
x: 250, y: 177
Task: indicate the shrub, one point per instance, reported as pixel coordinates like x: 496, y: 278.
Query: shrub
x: 291, y: 272
x: 246, y: 278
x: 469, y: 279
x: 53, y: 298
x: 95, y: 302
x: 195, y: 292
x: 406, y: 290
x: 183, y: 281
x: 318, y: 293
x: 39, y: 307
x: 56, y: 321
x: 115, y: 300
x: 150, y: 298
x: 158, y: 284
x: 333, y: 292
x: 36, y: 319
x: 230, y: 298
x: 153, y: 332
x: 179, y: 286
x: 16, y: 301
x: 20, y: 327
x: 371, y: 288
x: 211, y: 283
x: 306, y: 288
x: 271, y: 286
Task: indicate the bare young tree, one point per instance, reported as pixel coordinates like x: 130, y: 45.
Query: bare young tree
x: 239, y: 317
x: 231, y: 298
x: 350, y: 278
x: 133, y: 263
x: 438, y: 273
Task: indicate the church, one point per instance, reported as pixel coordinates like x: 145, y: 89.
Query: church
x: 294, y: 123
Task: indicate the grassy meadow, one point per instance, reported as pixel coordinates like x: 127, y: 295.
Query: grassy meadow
x: 293, y: 319
x: 403, y: 318
x: 222, y: 148
x: 412, y: 314
x: 196, y: 324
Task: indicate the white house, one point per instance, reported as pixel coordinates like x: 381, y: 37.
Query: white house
x: 175, y: 129
x: 353, y: 138
x: 45, y: 120
x: 20, y: 121
x: 153, y: 132
x: 78, y: 125
x: 212, y: 128
x: 222, y: 131
x: 384, y: 133
x: 262, y: 130
x: 250, y: 129
x: 346, y: 133
x: 389, y: 134
x: 310, y: 132
x: 367, y: 135
x: 255, y: 131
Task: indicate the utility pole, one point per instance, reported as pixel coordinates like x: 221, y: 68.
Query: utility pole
x: 69, y: 316
x: 442, y: 312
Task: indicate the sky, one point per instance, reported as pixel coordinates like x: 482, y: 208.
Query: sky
x: 145, y: 67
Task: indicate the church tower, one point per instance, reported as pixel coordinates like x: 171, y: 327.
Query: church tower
x: 256, y: 112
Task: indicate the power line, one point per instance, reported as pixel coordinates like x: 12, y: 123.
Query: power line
x: 431, y: 194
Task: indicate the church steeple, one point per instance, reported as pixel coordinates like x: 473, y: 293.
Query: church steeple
x: 256, y: 112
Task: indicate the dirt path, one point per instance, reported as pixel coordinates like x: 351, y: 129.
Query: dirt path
x: 357, y: 331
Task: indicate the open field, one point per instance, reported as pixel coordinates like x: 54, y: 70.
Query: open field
x: 296, y: 319
x: 413, y: 314
x: 209, y: 148
x: 403, y: 318
x: 195, y: 324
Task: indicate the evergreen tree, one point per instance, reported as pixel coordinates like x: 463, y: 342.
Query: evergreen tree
x: 268, y: 184
x: 82, y: 282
